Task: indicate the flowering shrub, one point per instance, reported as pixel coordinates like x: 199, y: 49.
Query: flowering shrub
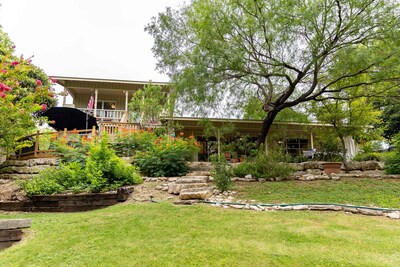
x: 156, y: 155
x: 128, y: 142
x: 25, y: 91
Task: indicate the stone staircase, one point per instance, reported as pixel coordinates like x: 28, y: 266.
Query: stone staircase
x: 192, y: 186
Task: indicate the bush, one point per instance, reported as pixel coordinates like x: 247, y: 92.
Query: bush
x: 265, y: 166
x: 128, y: 142
x: 222, y: 173
x: 392, y: 163
x: 245, y: 168
x: 365, y: 156
x: 167, y: 157
x: 392, y: 160
x: 51, y: 180
x: 102, y: 171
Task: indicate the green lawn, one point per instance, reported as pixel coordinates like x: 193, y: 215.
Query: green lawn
x: 360, y: 191
x: 160, y: 234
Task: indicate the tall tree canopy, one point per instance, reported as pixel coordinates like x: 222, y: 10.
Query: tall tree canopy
x: 284, y: 52
x: 25, y: 91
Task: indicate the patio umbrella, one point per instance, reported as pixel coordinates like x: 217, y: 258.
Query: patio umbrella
x: 70, y: 118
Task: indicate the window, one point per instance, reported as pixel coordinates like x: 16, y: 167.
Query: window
x: 106, y: 104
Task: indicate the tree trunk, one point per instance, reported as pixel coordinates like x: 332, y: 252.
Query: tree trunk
x: 269, y: 119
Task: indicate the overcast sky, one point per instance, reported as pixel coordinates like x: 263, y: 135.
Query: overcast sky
x: 86, y: 38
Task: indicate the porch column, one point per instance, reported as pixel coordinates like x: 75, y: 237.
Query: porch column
x: 125, y: 117
x: 65, y: 97
x: 312, y: 140
x: 96, y: 92
x: 126, y: 101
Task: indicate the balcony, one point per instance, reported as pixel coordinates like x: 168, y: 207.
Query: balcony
x: 111, y: 115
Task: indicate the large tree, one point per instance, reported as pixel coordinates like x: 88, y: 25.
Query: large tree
x: 284, y: 52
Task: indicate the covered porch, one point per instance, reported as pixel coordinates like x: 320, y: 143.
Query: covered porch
x: 110, y: 98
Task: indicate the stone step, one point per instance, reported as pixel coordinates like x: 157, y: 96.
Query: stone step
x: 174, y: 188
x: 196, y: 193
x: 198, y: 173
x: 200, y: 166
x: 192, y: 179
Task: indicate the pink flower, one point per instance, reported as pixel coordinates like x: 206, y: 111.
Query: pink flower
x: 2, y: 95
x: 52, y: 122
x: 53, y: 80
x: 4, y: 87
x: 4, y: 71
x: 29, y: 61
x: 44, y: 107
x: 14, y: 63
x: 38, y: 82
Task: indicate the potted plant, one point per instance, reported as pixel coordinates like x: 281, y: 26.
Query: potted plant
x: 330, y: 154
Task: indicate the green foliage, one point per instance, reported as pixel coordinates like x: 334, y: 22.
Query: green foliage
x: 365, y: 156
x: 281, y: 52
x: 45, y: 183
x: 148, y: 104
x: 222, y: 173
x: 369, y: 151
x: 167, y: 157
x: 330, y: 148
x: 220, y: 131
x: 25, y: 91
x: 390, y: 117
x: 274, y: 165
x: 392, y: 161
x: 95, y: 170
x: 73, y: 148
x: 128, y: 142
x: 253, y: 111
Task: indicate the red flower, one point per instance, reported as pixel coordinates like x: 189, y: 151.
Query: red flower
x: 53, y: 80
x: 44, y: 107
x: 2, y: 95
x: 14, y: 63
x: 38, y: 82
x: 4, y: 87
x: 4, y: 71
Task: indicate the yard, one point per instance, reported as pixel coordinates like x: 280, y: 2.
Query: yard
x: 161, y: 234
x: 355, y: 191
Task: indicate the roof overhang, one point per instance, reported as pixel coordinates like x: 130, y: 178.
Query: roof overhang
x: 76, y: 85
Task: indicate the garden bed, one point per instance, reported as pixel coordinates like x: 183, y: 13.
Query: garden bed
x: 68, y: 202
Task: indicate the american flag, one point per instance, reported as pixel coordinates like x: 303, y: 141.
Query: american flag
x: 90, y: 105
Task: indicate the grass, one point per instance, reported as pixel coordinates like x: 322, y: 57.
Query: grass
x: 160, y: 234
x: 360, y: 191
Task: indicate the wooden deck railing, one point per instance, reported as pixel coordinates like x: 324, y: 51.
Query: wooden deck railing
x: 35, y: 150
x: 112, y: 128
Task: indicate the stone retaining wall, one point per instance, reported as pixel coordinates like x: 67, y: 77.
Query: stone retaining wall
x: 24, y: 169
x: 11, y: 231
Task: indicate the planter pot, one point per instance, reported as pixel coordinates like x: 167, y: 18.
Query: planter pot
x: 332, y: 167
